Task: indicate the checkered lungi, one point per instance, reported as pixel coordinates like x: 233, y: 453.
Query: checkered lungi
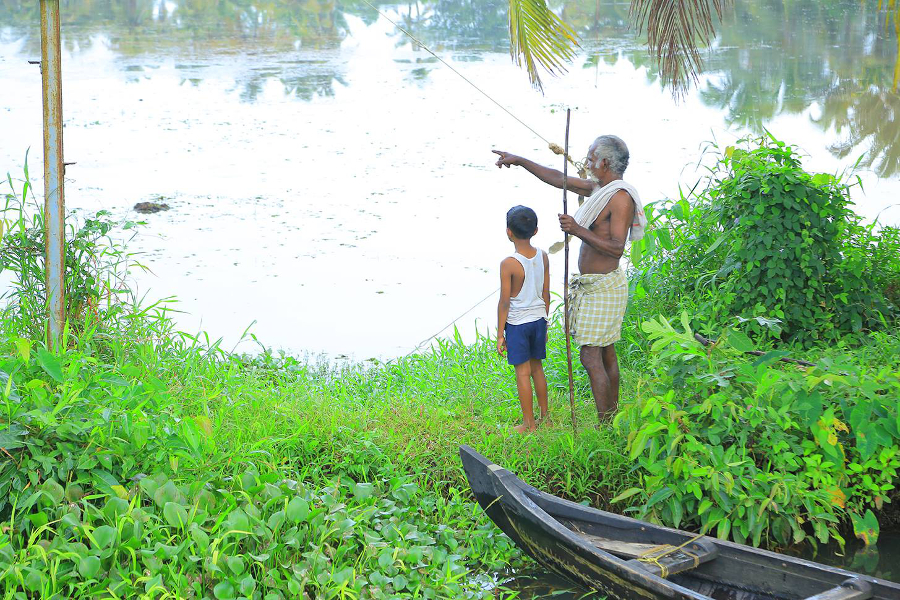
x: 597, y: 304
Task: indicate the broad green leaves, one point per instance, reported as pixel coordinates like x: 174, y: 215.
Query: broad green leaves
x: 739, y: 341
x: 279, y: 540
x: 297, y: 509
x: 89, y: 566
x: 175, y: 514
x: 51, y: 364
x: 865, y: 527
x: 756, y: 450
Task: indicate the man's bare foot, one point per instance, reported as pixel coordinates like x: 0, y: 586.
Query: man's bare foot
x: 604, y: 418
x: 523, y: 429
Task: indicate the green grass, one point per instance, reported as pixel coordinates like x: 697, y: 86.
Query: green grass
x: 142, y: 462
x: 237, y: 437
x: 131, y: 407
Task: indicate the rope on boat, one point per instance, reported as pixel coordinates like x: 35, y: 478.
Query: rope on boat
x: 653, y: 555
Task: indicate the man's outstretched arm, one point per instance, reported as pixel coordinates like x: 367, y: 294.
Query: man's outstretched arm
x: 582, y: 187
x: 621, y: 208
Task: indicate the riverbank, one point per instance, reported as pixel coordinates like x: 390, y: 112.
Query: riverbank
x: 265, y: 474
x: 144, y: 461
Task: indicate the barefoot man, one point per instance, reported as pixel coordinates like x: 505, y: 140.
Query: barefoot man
x: 599, y: 294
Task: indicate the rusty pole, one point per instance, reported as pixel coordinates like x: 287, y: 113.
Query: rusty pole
x: 54, y: 170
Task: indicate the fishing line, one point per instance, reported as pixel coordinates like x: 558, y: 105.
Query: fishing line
x: 449, y: 66
x: 444, y: 328
x: 554, y: 147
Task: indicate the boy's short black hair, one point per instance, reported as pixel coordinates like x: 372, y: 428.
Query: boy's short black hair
x: 522, y: 221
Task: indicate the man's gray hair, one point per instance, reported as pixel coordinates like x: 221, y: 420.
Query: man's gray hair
x: 611, y: 148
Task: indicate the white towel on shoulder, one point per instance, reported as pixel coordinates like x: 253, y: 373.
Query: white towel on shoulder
x: 589, y: 211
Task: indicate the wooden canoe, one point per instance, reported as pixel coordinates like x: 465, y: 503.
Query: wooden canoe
x: 629, y: 559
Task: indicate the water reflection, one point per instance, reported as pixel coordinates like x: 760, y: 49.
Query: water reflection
x: 541, y: 585
x: 783, y: 58
x: 832, y: 58
x: 881, y: 560
x: 141, y: 30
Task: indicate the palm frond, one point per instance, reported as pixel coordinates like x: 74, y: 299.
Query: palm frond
x: 676, y: 29
x: 539, y: 38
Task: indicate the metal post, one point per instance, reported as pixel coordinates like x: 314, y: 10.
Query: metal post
x: 54, y: 200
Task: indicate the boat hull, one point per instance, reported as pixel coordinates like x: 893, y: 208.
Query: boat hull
x: 558, y: 533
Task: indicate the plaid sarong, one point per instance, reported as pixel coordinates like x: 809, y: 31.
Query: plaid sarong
x: 597, y: 304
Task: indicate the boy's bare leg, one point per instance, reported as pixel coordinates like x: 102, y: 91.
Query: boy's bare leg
x: 611, y: 364
x: 526, y: 397
x: 540, y: 388
x: 592, y: 360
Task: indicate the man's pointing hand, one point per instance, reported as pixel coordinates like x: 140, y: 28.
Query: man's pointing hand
x: 506, y: 159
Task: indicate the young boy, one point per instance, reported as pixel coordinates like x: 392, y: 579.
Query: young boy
x: 522, y: 312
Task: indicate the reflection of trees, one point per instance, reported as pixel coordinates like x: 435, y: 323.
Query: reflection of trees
x: 783, y: 57
x: 597, y: 20
x: 772, y: 56
x: 777, y: 57
x: 240, y: 27
x: 313, y: 22
x: 871, y: 116
x: 467, y: 24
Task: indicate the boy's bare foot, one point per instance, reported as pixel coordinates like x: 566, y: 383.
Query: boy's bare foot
x: 523, y: 429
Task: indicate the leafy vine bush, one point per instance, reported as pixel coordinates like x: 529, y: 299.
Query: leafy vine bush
x: 759, y: 451
x: 766, y: 238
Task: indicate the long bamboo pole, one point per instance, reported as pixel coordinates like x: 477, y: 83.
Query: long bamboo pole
x: 566, y: 274
x: 54, y: 169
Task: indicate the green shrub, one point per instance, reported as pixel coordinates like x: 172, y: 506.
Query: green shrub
x: 759, y: 451
x: 765, y: 238
x: 81, y: 518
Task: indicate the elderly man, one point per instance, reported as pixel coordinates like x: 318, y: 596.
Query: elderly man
x: 599, y: 294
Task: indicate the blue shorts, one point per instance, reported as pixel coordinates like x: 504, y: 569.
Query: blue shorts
x: 526, y: 341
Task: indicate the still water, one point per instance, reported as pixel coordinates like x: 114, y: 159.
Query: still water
x: 332, y: 184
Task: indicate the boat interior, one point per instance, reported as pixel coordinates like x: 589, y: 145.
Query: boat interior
x: 720, y: 571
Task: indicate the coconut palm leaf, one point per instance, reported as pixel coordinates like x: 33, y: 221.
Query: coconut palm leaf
x: 539, y: 38
x: 676, y: 29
